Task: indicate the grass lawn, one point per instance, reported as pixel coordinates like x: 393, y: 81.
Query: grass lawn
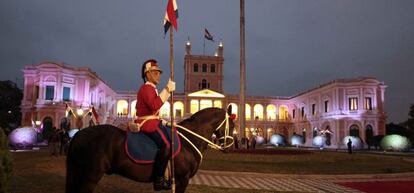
x: 312, y: 162
x: 36, y: 172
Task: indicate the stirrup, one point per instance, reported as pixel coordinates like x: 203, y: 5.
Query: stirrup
x: 161, y: 184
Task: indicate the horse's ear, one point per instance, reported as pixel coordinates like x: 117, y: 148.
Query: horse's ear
x: 229, y: 110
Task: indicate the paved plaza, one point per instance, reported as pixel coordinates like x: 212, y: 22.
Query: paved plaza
x: 296, y: 183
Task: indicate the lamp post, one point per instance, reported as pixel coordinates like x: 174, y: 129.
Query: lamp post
x: 79, y: 118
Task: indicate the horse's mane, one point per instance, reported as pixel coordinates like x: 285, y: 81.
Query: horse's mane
x: 199, y: 116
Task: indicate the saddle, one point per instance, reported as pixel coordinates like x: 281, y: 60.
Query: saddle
x: 142, y: 150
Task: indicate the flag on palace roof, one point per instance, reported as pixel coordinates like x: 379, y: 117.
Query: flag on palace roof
x: 171, y: 15
x: 207, y: 35
x: 95, y: 116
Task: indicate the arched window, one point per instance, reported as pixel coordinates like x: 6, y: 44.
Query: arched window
x: 248, y: 112
x: 47, y: 127
x: 204, y: 84
x: 354, y: 130
x: 195, y: 67
x: 258, y: 111
x: 369, y: 134
x: 65, y: 123
x: 179, y: 109
x: 133, y: 109
x: 283, y: 112
x: 204, y: 68
x: 165, y: 110
x: 328, y: 136
x: 213, y: 68
x: 271, y: 112
x: 234, y: 109
x: 304, y: 135
x: 122, y: 107
x: 315, y: 132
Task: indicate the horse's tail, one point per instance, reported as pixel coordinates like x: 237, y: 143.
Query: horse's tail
x: 73, y: 172
x: 89, y: 156
x: 83, y: 169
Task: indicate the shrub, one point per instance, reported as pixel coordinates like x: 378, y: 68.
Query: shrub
x: 6, y: 165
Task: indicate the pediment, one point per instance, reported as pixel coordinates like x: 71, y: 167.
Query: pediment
x: 207, y: 93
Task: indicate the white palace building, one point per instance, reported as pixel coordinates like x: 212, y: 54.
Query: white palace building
x: 344, y: 106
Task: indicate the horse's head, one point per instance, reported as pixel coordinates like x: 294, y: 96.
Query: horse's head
x: 224, y: 131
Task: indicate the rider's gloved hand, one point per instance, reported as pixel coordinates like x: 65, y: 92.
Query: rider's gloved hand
x: 165, y: 93
x: 167, y: 123
x: 170, y: 86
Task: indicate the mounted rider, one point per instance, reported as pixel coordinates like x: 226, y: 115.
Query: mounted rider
x: 148, y: 106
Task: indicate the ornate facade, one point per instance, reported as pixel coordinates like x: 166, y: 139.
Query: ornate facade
x: 342, y: 107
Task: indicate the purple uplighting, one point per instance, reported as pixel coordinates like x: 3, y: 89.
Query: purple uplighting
x: 23, y: 136
x: 356, y: 142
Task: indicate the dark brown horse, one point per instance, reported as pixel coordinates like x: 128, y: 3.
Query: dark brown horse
x: 97, y: 150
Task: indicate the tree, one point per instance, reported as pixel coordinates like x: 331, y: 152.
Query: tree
x: 411, y: 113
x: 6, y: 164
x: 10, y: 100
x: 409, y: 124
x: 392, y: 128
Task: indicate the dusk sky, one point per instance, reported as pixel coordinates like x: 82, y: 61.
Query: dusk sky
x: 291, y: 45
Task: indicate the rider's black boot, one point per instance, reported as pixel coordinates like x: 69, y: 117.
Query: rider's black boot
x: 161, y: 184
x: 161, y: 161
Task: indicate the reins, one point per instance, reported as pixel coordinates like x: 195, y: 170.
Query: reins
x: 210, y: 143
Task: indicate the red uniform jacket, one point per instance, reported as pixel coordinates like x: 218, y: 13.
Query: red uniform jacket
x: 148, y: 103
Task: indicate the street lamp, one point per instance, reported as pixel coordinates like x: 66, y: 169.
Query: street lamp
x: 79, y: 118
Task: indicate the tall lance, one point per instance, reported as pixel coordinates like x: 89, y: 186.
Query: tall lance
x: 172, y: 109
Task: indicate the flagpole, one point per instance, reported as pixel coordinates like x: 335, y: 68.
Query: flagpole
x: 172, y: 109
x: 204, y: 46
x: 242, y: 94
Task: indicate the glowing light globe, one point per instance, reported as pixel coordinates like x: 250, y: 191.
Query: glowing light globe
x: 356, y: 142
x: 319, y: 141
x: 277, y: 140
x: 23, y: 136
x: 259, y: 140
x: 395, y: 143
x: 72, y: 132
x: 296, y: 140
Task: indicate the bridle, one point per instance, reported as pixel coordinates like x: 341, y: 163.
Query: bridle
x: 221, y: 146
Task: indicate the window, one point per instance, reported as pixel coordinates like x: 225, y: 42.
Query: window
x: 326, y: 106
x: 36, y: 93
x: 195, y: 67
x: 302, y: 111
x: 217, y: 103
x: 213, y: 68
x: 368, y: 103
x: 66, y: 94
x: 294, y: 113
x: 50, y: 92
x: 193, y: 106
x: 313, y: 109
x: 204, y: 68
x: 315, y: 132
x: 178, y: 113
x: 271, y: 112
x: 353, y: 103
x: 203, y: 84
x: 206, y: 104
x: 258, y: 111
x: 248, y: 112
x: 354, y: 130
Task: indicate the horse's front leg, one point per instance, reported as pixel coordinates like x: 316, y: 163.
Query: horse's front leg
x: 181, y: 184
